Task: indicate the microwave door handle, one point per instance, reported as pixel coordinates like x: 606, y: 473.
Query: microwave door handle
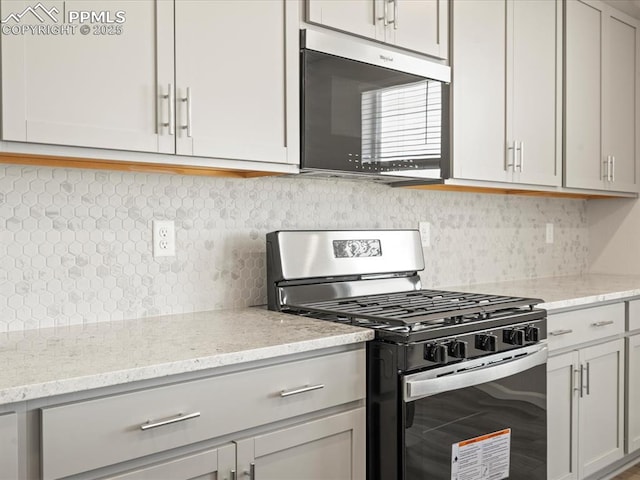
x: 416, y: 388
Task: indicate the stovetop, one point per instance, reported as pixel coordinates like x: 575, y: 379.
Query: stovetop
x: 423, y: 314
x: 419, y: 307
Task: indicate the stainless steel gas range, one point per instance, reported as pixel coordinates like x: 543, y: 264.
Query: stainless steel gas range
x: 456, y: 382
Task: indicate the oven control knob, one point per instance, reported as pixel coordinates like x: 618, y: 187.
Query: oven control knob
x: 486, y: 342
x: 532, y: 334
x: 435, y: 352
x: 514, y: 336
x: 458, y: 349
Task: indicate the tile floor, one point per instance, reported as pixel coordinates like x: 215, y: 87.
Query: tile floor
x: 632, y: 474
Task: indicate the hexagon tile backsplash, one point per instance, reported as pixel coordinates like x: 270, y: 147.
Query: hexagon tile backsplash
x: 75, y: 245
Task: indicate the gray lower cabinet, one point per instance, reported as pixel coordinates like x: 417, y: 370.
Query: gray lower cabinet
x: 8, y: 446
x: 212, y: 463
x: 585, y: 391
x: 296, y: 416
x: 331, y: 447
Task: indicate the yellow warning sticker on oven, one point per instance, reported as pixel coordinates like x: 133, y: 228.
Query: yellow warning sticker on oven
x: 482, y: 458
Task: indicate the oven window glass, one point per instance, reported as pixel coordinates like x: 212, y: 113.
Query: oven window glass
x: 433, y: 425
x: 364, y: 118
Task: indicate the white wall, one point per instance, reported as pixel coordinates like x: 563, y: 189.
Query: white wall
x: 75, y: 245
x: 614, y: 236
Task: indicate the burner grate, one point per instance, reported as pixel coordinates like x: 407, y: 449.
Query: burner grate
x: 420, y: 306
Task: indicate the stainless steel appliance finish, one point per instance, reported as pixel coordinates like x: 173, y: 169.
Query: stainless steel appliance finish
x: 369, y: 111
x: 446, y: 370
x: 375, y: 55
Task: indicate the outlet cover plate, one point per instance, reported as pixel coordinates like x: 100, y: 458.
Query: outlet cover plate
x: 164, y: 238
x: 425, y: 233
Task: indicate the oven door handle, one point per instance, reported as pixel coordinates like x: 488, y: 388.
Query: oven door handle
x: 473, y: 372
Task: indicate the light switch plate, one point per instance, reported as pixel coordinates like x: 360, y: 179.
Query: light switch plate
x: 425, y: 233
x: 549, y: 233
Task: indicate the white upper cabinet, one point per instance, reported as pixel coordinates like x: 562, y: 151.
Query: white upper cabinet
x: 418, y: 25
x: 601, y: 97
x: 479, y: 90
x: 533, y: 90
x: 233, y: 95
x: 227, y: 91
x: 97, y: 89
x: 506, y: 105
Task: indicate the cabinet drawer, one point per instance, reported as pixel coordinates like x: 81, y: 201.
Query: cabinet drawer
x: 86, y: 435
x: 633, y: 322
x: 585, y: 325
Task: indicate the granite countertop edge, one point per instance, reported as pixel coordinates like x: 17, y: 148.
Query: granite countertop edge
x: 306, y: 336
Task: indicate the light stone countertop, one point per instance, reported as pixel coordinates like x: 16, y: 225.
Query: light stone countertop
x: 561, y: 293
x: 53, y: 361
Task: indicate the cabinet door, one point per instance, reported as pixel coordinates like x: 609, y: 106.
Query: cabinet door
x: 533, y: 106
x: 101, y: 89
x: 421, y: 26
x: 9, y: 446
x: 331, y: 448
x: 619, y: 101
x: 601, y: 410
x: 236, y: 79
x: 633, y: 393
x: 562, y: 417
x: 583, y: 67
x: 479, y: 90
x: 360, y: 17
x: 215, y: 464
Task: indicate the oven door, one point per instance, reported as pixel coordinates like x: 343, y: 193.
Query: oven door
x: 481, y: 419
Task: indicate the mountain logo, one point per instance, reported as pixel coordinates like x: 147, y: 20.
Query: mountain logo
x: 39, y: 11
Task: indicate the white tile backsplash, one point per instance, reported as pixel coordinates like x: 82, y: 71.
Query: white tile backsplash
x: 75, y: 245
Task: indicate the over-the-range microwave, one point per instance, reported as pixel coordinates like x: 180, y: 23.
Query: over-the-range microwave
x: 369, y: 111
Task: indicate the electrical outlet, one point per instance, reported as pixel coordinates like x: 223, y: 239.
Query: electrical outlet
x: 164, y: 238
x: 549, y: 233
x: 425, y: 233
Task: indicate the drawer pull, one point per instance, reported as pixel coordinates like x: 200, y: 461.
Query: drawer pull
x: 602, y: 324
x: 557, y: 333
x: 178, y: 418
x: 306, y: 388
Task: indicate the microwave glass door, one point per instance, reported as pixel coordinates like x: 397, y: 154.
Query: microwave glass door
x: 493, y: 430
x: 368, y: 119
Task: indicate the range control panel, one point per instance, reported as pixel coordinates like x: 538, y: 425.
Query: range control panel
x: 442, y: 351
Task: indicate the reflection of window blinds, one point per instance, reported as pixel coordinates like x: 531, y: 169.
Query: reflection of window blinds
x: 402, y: 122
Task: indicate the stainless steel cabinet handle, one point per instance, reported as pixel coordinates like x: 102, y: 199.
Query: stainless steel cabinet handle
x: 521, y: 156
x: 513, y: 149
x: 605, y: 174
x: 557, y: 333
x: 395, y: 14
x: 581, y: 380
x: 178, y: 418
x: 171, y: 123
x: 233, y: 475
x: 188, y: 100
x: 251, y: 473
x: 385, y: 16
x: 575, y: 385
x: 588, y: 384
x: 306, y: 388
x: 613, y: 168
x: 602, y: 324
